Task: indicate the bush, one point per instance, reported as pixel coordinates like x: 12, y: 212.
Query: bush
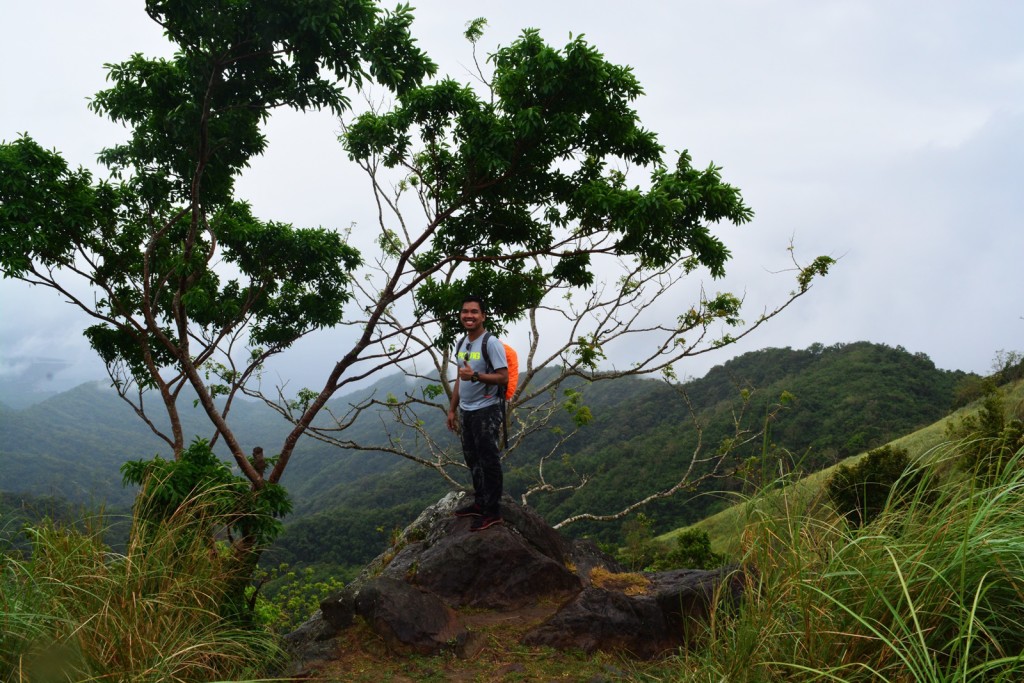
x: 987, y: 439
x: 860, y: 492
x: 692, y: 551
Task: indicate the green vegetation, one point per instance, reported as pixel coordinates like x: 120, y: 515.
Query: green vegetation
x: 289, y: 597
x: 860, y: 492
x: 989, y: 437
x: 71, y: 610
x: 346, y: 502
x: 640, y: 440
x: 928, y: 591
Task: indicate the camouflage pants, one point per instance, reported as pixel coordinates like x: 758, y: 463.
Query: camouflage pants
x: 480, y: 429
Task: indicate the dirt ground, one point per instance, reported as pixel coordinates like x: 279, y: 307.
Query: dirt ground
x: 493, y: 653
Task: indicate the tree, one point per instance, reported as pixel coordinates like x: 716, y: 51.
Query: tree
x: 183, y: 274
x: 516, y: 192
x: 521, y: 190
x: 179, y: 273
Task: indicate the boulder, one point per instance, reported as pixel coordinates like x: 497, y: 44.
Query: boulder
x: 495, y: 569
x: 661, y: 614
x: 504, y: 567
x: 408, y: 620
x: 409, y: 595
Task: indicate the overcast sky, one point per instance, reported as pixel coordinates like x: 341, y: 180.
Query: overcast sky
x: 887, y: 134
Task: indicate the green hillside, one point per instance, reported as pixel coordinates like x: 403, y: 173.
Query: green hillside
x: 843, y: 399
x: 725, y: 527
x: 845, y: 396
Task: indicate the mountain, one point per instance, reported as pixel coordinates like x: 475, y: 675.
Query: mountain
x: 841, y: 399
x: 844, y: 398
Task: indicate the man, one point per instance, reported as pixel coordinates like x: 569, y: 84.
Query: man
x: 476, y: 395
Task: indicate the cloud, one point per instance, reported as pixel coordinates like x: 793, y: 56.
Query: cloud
x: 888, y: 134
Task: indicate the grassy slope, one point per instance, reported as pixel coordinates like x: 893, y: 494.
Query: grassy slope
x: 726, y: 527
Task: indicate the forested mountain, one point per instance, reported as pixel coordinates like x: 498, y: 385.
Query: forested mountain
x: 844, y: 399
x: 73, y: 444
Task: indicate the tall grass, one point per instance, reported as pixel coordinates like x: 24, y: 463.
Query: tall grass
x: 931, y: 591
x: 73, y: 611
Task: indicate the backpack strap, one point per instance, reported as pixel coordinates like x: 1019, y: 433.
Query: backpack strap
x: 483, y: 349
x: 502, y: 401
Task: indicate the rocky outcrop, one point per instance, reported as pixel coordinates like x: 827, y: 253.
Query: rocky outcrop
x: 664, y: 612
x: 410, y: 595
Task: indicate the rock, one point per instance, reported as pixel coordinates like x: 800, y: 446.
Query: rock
x: 659, y: 619
x: 497, y: 569
x: 599, y: 619
x: 410, y: 593
x: 339, y: 609
x: 309, y: 647
x: 685, y: 596
x: 504, y: 567
x: 585, y: 556
x: 409, y: 621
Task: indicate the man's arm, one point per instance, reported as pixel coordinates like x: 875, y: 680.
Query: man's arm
x: 453, y: 420
x: 499, y: 376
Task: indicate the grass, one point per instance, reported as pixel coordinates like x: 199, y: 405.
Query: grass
x: 73, y: 611
x: 930, y: 592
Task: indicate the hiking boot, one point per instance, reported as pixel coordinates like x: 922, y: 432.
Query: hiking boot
x: 485, y: 522
x: 473, y: 510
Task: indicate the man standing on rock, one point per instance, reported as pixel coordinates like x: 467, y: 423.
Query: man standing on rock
x: 476, y: 396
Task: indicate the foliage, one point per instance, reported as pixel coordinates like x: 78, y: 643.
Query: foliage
x: 862, y: 491
x: 526, y: 170
x: 246, y: 518
x: 990, y: 437
x: 1007, y: 366
x: 692, y: 551
x: 296, y: 596
x: 73, y: 610
x: 241, y: 511
x: 181, y: 273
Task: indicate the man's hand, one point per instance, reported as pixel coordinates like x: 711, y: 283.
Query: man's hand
x: 453, y: 421
x: 466, y: 372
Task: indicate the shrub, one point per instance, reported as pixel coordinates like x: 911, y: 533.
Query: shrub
x: 860, y: 492
x: 988, y: 439
x: 692, y: 551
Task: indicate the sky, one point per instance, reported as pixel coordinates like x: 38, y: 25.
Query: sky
x: 888, y: 135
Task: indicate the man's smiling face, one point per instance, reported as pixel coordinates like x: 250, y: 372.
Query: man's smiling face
x: 471, y: 315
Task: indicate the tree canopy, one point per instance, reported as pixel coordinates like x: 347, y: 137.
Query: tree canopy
x: 522, y: 184
x: 183, y: 272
